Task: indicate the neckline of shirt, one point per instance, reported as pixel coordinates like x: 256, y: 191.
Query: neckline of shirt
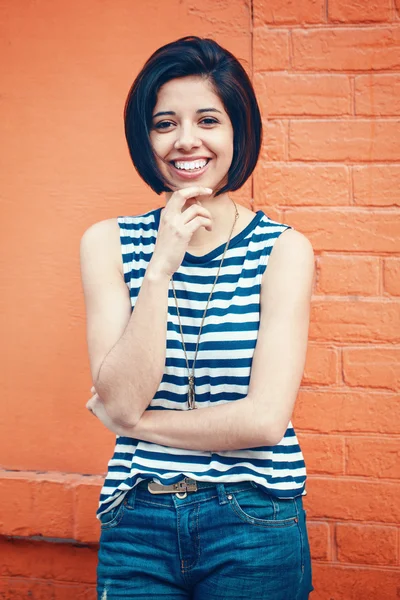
x: 205, y: 258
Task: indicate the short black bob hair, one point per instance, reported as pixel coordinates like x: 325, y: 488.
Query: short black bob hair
x: 194, y: 56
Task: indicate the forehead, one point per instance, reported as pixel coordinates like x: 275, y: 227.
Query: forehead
x: 188, y: 93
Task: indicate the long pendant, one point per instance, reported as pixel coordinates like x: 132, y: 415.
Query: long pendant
x: 191, y: 397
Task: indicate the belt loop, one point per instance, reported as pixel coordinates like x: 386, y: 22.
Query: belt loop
x: 222, y: 499
x: 130, y: 498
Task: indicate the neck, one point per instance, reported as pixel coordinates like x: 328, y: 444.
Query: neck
x: 222, y: 210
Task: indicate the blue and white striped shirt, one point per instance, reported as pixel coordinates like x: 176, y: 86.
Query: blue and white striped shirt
x: 223, y: 364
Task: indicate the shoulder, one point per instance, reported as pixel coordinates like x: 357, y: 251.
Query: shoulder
x: 101, y: 241
x: 104, y: 240
x: 102, y: 232
x: 97, y: 231
x: 109, y: 230
x: 286, y: 243
x: 291, y: 265
x: 292, y: 246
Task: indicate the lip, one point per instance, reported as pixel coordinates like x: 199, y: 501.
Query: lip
x: 187, y: 174
x: 189, y: 158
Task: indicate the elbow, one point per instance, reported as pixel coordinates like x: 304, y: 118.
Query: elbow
x: 271, y: 427
x: 120, y: 412
x: 122, y: 417
x: 275, y: 436
x: 271, y: 433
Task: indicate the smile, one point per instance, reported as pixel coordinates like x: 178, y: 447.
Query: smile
x: 190, y: 169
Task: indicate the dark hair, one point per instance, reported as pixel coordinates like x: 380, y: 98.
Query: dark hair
x: 190, y: 56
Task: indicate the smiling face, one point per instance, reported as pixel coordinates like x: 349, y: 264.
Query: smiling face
x: 191, y: 134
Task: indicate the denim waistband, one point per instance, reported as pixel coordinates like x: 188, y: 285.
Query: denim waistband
x: 208, y: 484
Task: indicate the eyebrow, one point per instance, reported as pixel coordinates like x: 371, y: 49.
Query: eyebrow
x: 200, y: 111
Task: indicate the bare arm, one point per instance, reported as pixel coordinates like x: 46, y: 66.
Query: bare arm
x: 261, y: 418
x: 127, y: 349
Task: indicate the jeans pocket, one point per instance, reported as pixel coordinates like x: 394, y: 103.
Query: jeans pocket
x: 112, y: 517
x: 258, y: 508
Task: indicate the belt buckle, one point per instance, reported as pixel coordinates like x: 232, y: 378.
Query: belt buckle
x: 186, y: 485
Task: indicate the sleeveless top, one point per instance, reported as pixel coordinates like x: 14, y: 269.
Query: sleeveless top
x: 223, y: 364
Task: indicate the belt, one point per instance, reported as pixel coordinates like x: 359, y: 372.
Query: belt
x: 180, y: 487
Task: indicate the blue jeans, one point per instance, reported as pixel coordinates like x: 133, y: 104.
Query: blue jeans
x: 224, y: 541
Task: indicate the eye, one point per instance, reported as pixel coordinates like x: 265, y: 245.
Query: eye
x: 163, y: 125
x: 209, y: 121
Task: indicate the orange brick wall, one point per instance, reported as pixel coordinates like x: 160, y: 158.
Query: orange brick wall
x: 327, y: 74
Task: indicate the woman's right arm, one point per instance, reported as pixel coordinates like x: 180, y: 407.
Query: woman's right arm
x: 127, y: 348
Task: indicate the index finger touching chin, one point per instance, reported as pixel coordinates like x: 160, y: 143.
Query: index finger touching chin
x: 185, y: 194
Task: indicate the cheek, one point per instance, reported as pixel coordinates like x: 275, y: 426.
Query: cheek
x: 225, y: 144
x: 226, y: 149
x: 162, y: 146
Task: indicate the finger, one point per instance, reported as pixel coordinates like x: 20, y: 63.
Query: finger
x: 93, y: 389
x: 194, y: 211
x: 179, y: 198
x: 196, y: 223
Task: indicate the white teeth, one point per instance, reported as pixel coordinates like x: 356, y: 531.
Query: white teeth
x: 190, y: 166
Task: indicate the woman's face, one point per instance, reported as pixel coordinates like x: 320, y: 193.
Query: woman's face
x: 191, y: 134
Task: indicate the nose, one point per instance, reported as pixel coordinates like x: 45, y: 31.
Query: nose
x: 186, y: 138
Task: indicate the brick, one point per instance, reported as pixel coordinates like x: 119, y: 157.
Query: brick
x: 44, y: 560
x: 331, y: 411
x: 274, y: 140
x: 377, y: 94
x: 373, y: 457
x: 87, y: 527
x: 346, y: 49
x: 391, y: 276
x: 53, y: 515
x: 372, y: 367
x: 358, y: 11
x: 320, y: 540
x: 376, y: 185
x: 16, y: 507
x: 36, y: 504
x: 348, y: 229
x: 336, y: 582
x: 345, y: 498
x: 271, y: 49
x: 276, y: 12
x: 343, y: 320
x: 321, y: 365
x: 20, y: 589
x: 323, y: 454
x: 360, y: 140
x: 348, y: 275
x: 366, y: 544
x: 77, y: 592
x: 302, y: 185
x: 299, y: 94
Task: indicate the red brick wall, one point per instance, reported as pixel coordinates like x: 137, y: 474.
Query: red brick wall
x: 327, y: 73
x: 328, y: 77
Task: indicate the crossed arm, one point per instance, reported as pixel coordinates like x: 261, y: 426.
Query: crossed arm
x: 261, y: 418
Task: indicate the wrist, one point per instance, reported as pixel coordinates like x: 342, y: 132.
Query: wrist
x: 156, y: 274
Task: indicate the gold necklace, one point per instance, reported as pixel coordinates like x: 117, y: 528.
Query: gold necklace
x: 191, y: 380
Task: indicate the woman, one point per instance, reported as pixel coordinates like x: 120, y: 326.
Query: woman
x: 206, y: 503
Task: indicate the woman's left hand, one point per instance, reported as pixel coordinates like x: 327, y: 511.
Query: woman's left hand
x: 96, y: 406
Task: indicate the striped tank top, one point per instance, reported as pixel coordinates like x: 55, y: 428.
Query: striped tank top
x: 223, y: 364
